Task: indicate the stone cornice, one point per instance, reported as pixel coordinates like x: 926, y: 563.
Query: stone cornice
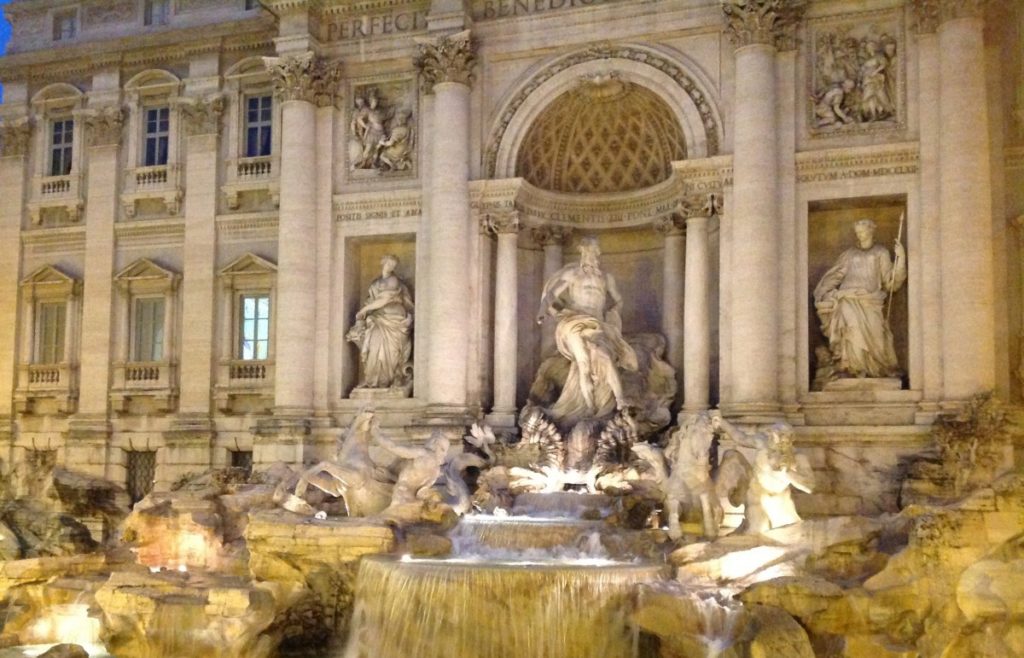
x: 448, y: 59
x: 771, y: 22
x: 859, y: 162
x: 150, y: 233
x: 48, y: 241
x: 14, y: 136
x: 202, y: 115
x: 304, y: 77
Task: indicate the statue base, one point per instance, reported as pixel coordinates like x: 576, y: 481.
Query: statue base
x: 393, y: 393
x: 863, y: 384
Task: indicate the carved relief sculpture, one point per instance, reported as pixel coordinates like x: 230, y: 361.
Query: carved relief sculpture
x: 852, y: 299
x: 383, y: 331
x: 381, y: 133
x: 14, y: 136
x: 855, y: 77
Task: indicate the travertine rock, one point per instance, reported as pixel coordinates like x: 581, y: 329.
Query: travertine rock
x: 65, y: 651
x: 777, y: 634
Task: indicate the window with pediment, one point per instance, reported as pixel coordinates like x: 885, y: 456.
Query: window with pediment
x: 153, y: 178
x: 156, y: 12
x: 47, y: 369
x: 246, y: 372
x: 56, y: 195
x: 65, y: 24
x: 145, y: 369
x: 252, y: 137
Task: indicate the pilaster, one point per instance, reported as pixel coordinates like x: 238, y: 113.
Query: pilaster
x: 14, y: 140
x: 697, y: 309
x: 552, y: 240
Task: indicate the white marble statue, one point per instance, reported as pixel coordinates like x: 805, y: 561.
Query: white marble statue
x: 851, y: 300
x: 586, y: 302
x: 768, y: 502
x: 420, y: 472
x: 395, y: 150
x: 352, y: 475
x: 383, y: 330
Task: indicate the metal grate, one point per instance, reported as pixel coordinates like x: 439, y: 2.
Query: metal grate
x: 141, y: 468
x: 242, y: 459
x: 40, y: 464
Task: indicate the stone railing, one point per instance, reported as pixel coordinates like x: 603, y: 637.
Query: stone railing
x: 45, y: 381
x: 244, y: 378
x: 151, y: 176
x: 258, y: 168
x: 52, y: 185
x: 251, y: 175
x: 160, y: 182
x: 56, y: 192
x: 154, y: 380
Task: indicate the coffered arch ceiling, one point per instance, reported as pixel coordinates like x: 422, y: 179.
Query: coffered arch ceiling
x: 604, y: 135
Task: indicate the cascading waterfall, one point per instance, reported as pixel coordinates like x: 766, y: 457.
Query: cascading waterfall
x: 455, y: 609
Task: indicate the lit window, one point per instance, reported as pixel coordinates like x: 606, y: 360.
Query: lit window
x: 148, y: 330
x: 50, y: 319
x: 257, y: 125
x: 65, y: 25
x: 156, y: 12
x: 255, y: 327
x: 61, y: 134
x: 157, y: 131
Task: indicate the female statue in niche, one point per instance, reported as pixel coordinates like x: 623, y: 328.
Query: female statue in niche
x: 383, y: 330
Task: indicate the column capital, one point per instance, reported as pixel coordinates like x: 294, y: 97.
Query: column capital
x: 447, y: 59
x: 103, y: 124
x: 927, y: 15
x: 501, y: 221
x: 770, y: 22
x: 202, y: 115
x: 14, y: 136
x: 304, y: 77
x: 670, y: 225
x: 550, y: 236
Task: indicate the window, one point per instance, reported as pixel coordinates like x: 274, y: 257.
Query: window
x: 251, y: 4
x: 61, y: 134
x: 156, y: 12
x: 158, y: 122
x: 65, y: 25
x: 141, y: 467
x: 254, y: 313
x: 242, y: 459
x: 148, y: 329
x: 258, y: 118
x: 50, y: 322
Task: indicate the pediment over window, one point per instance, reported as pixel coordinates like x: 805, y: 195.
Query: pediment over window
x: 144, y: 268
x: 57, y: 93
x: 249, y: 263
x: 153, y: 81
x: 250, y: 67
x: 50, y: 279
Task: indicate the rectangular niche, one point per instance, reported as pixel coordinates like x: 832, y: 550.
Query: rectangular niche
x: 364, y: 267
x: 830, y: 232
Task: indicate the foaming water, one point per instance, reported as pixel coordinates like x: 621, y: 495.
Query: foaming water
x: 495, y: 609
x: 527, y: 539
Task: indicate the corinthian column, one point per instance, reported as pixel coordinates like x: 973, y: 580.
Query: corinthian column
x: 755, y: 27
x: 446, y: 66
x: 506, y: 315
x: 965, y: 202
x: 301, y: 82
x: 672, y: 227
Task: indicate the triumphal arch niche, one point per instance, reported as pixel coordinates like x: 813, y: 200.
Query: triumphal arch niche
x: 590, y: 148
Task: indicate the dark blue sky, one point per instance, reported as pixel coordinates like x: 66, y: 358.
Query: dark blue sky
x: 5, y: 30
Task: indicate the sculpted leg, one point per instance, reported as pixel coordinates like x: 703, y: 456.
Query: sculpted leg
x: 581, y: 357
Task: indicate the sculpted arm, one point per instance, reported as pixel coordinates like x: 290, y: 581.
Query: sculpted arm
x: 613, y: 315
x: 741, y: 438
x: 893, y: 273
x: 553, y: 289
x: 405, y: 452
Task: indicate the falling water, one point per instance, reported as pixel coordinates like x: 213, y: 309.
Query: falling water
x: 455, y: 609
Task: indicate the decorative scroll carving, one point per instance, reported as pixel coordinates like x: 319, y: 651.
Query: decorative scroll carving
x: 448, y: 59
x: 502, y: 222
x: 202, y: 115
x: 770, y: 22
x: 104, y: 125
x: 672, y: 224
x: 605, y: 52
x: 856, y: 75
x: 304, y: 77
x: 14, y: 136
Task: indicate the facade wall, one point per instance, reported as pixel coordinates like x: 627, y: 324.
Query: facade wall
x: 307, y: 224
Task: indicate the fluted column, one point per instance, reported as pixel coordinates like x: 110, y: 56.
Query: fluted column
x: 672, y: 229
x: 446, y: 67
x: 552, y: 239
x: 301, y: 82
x: 506, y: 316
x: 697, y: 311
x: 965, y: 201
x: 202, y: 124
x: 755, y: 26
x: 14, y: 141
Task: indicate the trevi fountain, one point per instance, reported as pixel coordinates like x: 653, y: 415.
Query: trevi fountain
x: 507, y: 329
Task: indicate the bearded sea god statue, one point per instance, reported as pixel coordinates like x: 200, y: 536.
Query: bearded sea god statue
x: 852, y: 300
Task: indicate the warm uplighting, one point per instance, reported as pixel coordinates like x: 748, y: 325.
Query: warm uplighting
x: 66, y: 623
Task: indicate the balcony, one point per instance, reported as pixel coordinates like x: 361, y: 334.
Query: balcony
x: 39, y: 382
x: 244, y: 379
x: 248, y: 175
x: 56, y: 192
x: 152, y: 380
x: 160, y: 182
